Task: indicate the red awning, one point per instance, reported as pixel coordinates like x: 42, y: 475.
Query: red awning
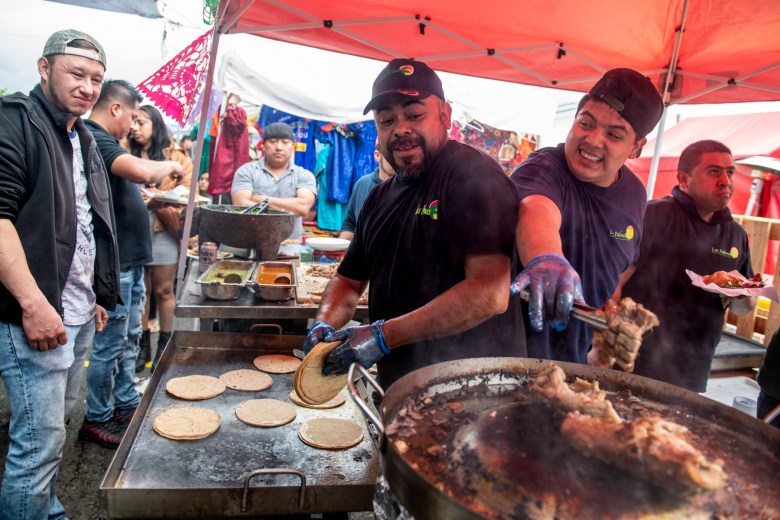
x: 728, y: 50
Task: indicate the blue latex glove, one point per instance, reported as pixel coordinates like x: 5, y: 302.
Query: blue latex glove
x: 317, y: 334
x: 364, y: 345
x: 553, y: 285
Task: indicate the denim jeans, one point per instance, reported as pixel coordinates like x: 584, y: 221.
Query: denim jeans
x: 38, y: 385
x: 112, y: 362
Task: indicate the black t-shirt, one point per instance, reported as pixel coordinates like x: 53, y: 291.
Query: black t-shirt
x: 680, y: 350
x: 600, y: 233
x: 132, y: 221
x: 769, y: 374
x: 411, y: 242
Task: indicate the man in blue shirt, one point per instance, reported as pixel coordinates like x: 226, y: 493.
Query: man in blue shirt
x: 360, y: 191
x: 580, y: 213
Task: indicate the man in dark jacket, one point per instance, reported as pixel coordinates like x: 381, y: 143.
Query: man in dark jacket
x: 58, y: 263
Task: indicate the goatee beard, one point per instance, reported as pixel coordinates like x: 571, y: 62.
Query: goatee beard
x: 407, y: 169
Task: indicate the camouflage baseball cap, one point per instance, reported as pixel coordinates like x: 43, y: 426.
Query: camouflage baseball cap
x: 60, y: 43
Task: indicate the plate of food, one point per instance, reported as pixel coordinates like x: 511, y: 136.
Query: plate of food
x: 327, y: 243
x: 733, y: 284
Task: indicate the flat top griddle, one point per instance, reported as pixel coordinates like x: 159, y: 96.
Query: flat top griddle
x: 215, y: 468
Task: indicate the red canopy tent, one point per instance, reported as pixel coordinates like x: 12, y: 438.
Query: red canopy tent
x: 696, y: 51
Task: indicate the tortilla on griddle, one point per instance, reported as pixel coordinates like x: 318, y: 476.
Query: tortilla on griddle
x: 309, y: 383
x: 195, y: 388
x: 186, y: 424
x: 330, y: 434
x: 277, y: 363
x: 266, y: 413
x: 247, y: 380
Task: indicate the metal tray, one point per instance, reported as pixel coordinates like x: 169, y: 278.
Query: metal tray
x: 273, y: 291
x: 220, y: 290
x: 154, y: 477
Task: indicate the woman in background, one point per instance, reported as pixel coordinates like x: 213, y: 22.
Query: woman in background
x: 149, y: 139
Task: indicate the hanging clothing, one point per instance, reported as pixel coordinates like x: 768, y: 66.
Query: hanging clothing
x: 330, y: 214
x: 232, y: 150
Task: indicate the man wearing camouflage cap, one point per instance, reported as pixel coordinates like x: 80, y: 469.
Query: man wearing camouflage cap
x: 581, y: 209
x: 58, y: 263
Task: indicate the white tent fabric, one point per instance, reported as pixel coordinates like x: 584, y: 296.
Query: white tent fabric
x: 335, y: 87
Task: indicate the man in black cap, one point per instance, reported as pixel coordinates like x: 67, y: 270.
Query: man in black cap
x: 580, y: 213
x: 58, y: 263
x: 436, y: 242
x: 275, y: 178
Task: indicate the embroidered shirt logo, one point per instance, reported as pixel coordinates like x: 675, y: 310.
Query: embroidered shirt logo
x: 432, y: 210
x: 628, y: 234
x: 731, y: 253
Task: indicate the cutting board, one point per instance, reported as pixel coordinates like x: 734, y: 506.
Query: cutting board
x: 311, y: 284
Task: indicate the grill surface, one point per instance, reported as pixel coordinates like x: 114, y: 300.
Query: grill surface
x: 154, y: 477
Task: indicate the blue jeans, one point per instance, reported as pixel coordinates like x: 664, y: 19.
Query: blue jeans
x: 112, y: 363
x: 38, y: 385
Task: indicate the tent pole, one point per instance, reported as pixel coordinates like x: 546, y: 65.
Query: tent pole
x: 204, y: 113
x: 656, y: 154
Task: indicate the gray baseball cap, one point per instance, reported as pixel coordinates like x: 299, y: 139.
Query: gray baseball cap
x: 60, y: 43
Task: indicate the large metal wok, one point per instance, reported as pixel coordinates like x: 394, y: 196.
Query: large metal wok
x: 465, y: 439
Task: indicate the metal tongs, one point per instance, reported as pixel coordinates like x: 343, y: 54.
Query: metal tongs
x: 591, y: 316
x: 262, y: 204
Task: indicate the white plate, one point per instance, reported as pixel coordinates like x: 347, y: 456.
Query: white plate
x: 327, y: 244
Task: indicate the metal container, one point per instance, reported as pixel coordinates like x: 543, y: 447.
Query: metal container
x: 273, y: 281
x: 221, y: 290
x: 466, y: 439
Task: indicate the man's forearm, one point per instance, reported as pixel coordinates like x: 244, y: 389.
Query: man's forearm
x: 538, y: 228
x: 339, y: 301
x: 142, y: 171
x: 14, y: 272
x: 462, y: 307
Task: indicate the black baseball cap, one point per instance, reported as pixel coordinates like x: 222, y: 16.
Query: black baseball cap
x: 633, y: 96
x: 407, y: 77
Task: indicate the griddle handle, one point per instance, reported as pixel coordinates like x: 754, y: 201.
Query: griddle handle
x: 359, y: 400
x: 275, y: 471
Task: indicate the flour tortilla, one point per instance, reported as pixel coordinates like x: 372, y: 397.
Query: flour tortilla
x: 277, y: 363
x: 246, y: 379
x: 330, y: 434
x: 265, y: 412
x: 186, y: 423
x: 309, y: 383
x: 194, y: 388
x: 337, y: 401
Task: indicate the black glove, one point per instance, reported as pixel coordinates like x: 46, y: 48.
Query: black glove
x: 364, y: 345
x: 553, y: 286
x: 317, y: 334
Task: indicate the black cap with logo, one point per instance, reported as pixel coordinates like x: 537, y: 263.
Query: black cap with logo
x: 407, y: 77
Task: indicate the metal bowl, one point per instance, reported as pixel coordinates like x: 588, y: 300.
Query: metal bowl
x: 264, y: 232
x: 220, y: 290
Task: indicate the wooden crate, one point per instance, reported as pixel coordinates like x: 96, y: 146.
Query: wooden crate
x: 760, y: 231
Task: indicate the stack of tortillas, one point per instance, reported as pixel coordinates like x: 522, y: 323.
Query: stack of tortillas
x: 311, y: 386
x: 337, y: 401
x: 277, y: 363
x: 194, y: 388
x: 186, y: 423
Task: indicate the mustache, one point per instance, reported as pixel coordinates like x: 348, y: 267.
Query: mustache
x: 406, y: 141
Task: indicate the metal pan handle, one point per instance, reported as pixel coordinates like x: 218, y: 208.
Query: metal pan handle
x: 359, y: 400
x: 772, y: 415
x: 257, y: 326
x: 275, y: 471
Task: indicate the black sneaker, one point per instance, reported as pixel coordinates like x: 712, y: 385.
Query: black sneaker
x: 122, y: 416
x: 107, y: 434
